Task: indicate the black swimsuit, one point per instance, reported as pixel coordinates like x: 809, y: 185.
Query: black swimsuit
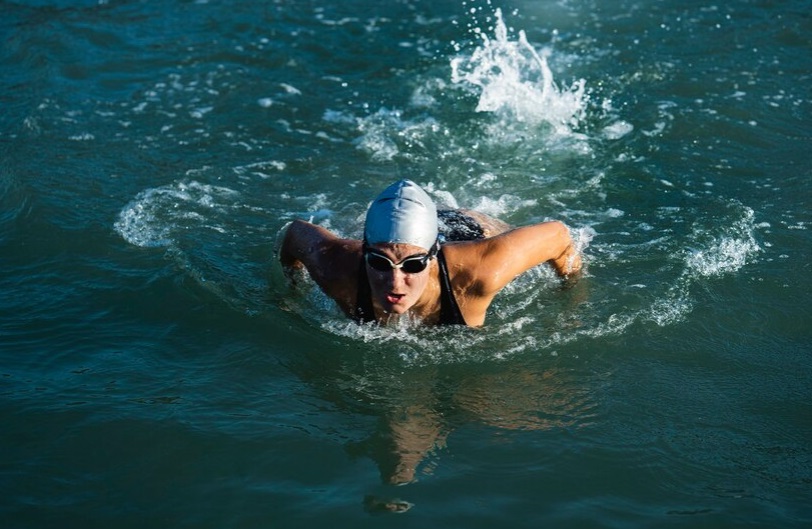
x: 449, y: 310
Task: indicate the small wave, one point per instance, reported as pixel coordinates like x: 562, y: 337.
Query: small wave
x: 207, y: 231
x: 715, y: 255
x: 15, y: 203
x: 156, y: 214
x: 728, y: 252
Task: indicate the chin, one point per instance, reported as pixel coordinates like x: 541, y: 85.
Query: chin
x: 398, y: 308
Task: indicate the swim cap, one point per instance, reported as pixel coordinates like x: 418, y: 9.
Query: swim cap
x: 402, y: 213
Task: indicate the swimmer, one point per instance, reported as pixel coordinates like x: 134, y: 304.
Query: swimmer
x: 435, y: 267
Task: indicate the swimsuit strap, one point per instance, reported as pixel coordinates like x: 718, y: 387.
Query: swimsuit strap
x: 449, y: 309
x: 450, y: 313
x: 364, y: 311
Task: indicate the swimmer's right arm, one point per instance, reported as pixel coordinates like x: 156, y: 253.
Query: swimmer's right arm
x: 302, y: 244
x: 331, y: 261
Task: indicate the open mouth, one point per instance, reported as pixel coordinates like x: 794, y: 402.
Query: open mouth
x: 394, y: 299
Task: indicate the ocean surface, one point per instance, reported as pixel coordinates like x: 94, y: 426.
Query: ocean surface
x: 158, y: 370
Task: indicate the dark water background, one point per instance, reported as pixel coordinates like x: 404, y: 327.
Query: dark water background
x: 157, y: 371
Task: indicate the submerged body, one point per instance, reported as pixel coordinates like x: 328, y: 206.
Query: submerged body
x: 411, y: 271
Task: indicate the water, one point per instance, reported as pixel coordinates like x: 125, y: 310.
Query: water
x: 157, y: 369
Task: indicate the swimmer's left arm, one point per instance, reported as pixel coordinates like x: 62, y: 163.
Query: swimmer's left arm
x: 516, y: 251
x: 568, y: 263
x: 551, y: 242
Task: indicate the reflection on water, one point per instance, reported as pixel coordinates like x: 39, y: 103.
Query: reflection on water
x: 418, y: 409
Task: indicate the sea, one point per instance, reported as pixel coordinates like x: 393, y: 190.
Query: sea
x: 158, y: 369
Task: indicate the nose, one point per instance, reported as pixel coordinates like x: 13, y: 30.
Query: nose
x: 396, y: 278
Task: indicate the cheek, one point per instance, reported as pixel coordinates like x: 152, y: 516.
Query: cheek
x: 411, y: 284
x: 416, y: 283
x: 378, y: 281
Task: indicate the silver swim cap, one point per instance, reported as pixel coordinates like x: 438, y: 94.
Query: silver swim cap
x: 402, y: 213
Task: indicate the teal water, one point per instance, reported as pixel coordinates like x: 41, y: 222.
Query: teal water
x: 156, y: 370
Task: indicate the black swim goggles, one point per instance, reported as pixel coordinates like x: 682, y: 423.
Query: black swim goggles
x: 414, y: 264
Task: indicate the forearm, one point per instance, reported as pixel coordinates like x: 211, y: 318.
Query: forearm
x: 504, y: 257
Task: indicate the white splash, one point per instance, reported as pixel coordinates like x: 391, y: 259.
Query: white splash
x: 516, y: 80
x: 151, y: 219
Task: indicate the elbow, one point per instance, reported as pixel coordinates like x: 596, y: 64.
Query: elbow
x: 569, y: 262
x: 286, y: 249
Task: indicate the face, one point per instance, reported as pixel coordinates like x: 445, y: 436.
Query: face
x: 394, y: 290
